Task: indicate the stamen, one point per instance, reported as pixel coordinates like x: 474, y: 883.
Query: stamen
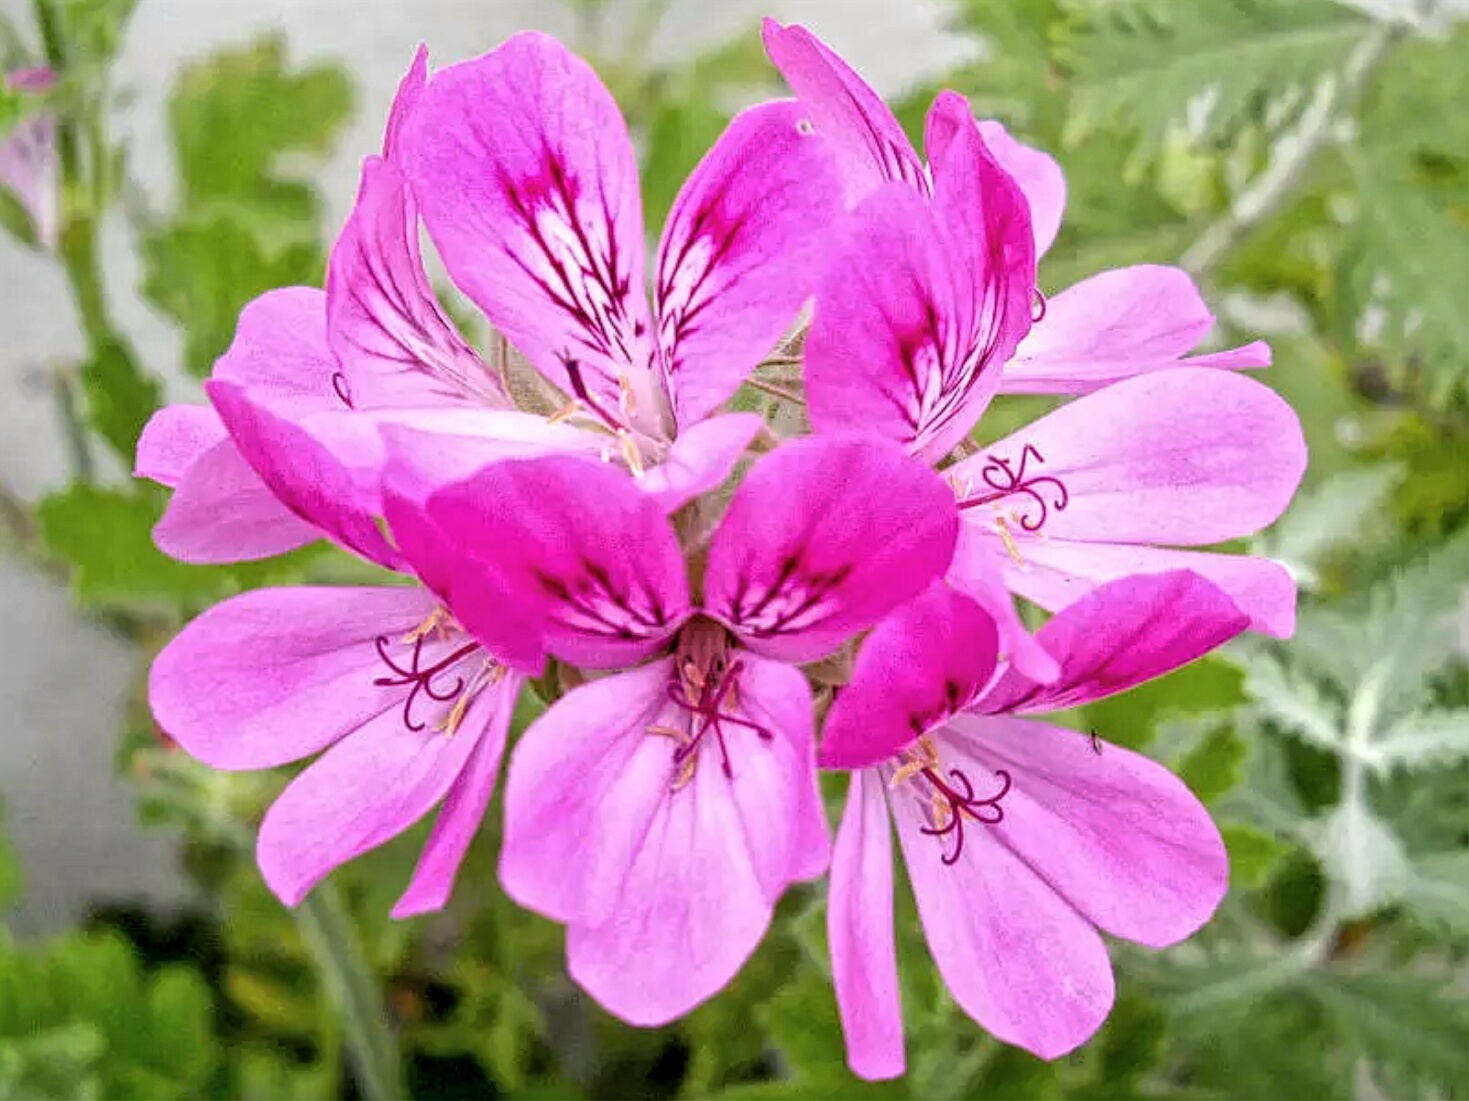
x: 949, y: 805
x: 630, y: 454
x: 579, y: 388
x: 565, y: 413
x: 1038, y: 308
x: 1005, y: 482
x: 437, y: 620
x: 1009, y: 540
x: 418, y: 678
x: 489, y: 673
x: 625, y: 397
x: 343, y: 390
x: 710, y: 700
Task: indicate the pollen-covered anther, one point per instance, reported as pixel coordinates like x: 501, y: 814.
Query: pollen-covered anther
x: 923, y: 756
x: 438, y: 621
x: 565, y: 413
x: 626, y: 399
x: 1011, y: 547
x: 489, y: 673
x: 679, y: 736
x: 630, y: 453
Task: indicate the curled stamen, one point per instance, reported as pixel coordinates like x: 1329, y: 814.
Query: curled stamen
x: 949, y: 805
x: 343, y: 390
x: 418, y: 678
x: 1007, y: 482
x: 705, y: 699
x: 1038, y: 307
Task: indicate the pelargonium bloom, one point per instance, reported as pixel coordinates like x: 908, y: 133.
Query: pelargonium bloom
x: 660, y: 812
x: 919, y: 321
x: 1021, y: 839
x: 30, y: 166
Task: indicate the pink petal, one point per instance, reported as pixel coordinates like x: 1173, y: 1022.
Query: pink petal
x: 173, y: 439
x: 1115, y: 325
x: 363, y: 791
x: 1122, y: 634
x: 1188, y: 456
x: 741, y: 251
x: 920, y: 665
x: 393, y: 342
x: 700, y: 459
x: 275, y: 675
x: 529, y: 188
x: 1056, y: 573
x: 823, y: 538
x: 222, y: 512
x: 1014, y: 954
x: 30, y: 164
x: 280, y: 353
x: 406, y: 101
x: 301, y: 471
x: 554, y: 555
x: 977, y: 574
x: 1039, y: 177
x: 859, y: 922
x: 870, y: 147
x: 1117, y: 835
x: 487, y: 721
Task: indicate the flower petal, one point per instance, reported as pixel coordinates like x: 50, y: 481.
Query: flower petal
x: 487, y: 721
x: 406, y: 100
x: 741, y: 251
x: 823, y: 538
x: 529, y: 188
x: 920, y: 665
x: 363, y: 791
x: 1120, y: 635
x: 1115, y: 325
x: 700, y: 459
x: 393, y: 342
x: 859, y: 923
x: 1117, y: 835
x: 870, y: 147
x: 173, y: 439
x: 1039, y: 177
x: 1016, y: 956
x: 280, y: 353
x: 30, y: 164
x: 976, y: 573
x: 275, y: 675
x: 554, y: 555
x: 1187, y: 456
x: 301, y: 470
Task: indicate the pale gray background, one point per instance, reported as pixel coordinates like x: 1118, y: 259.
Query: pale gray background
x: 62, y: 679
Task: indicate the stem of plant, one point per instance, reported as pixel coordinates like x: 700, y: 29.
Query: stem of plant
x: 373, y: 1048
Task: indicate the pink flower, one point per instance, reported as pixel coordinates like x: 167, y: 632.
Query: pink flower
x: 659, y: 813
x: 1019, y: 837
x: 30, y: 167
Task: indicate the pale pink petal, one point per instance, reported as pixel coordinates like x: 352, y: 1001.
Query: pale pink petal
x: 976, y: 573
x: 280, y: 353
x: 741, y: 252
x: 1188, y: 456
x: 275, y: 675
x: 392, y: 341
x: 1039, y: 177
x: 528, y: 184
x: 406, y: 101
x: 1115, y: 325
x: 870, y: 147
x: 1117, y: 835
x: 859, y: 922
x: 301, y: 471
x: 920, y: 665
x: 173, y: 439
x: 487, y: 721
x: 823, y: 538
x: 1015, y: 955
x: 1119, y: 635
x: 363, y: 791
x: 700, y: 459
x: 554, y: 555
x: 222, y: 512
x: 1057, y: 573
x: 30, y: 163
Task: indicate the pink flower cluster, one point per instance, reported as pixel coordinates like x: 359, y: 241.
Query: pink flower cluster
x: 848, y: 604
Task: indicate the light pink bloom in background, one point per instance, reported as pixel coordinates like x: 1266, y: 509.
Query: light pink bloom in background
x: 30, y: 166
x: 1021, y: 839
x: 659, y: 813
x: 1110, y: 326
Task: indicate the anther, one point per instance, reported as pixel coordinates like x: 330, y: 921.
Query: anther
x: 565, y: 413
x: 1011, y: 547
x: 630, y: 452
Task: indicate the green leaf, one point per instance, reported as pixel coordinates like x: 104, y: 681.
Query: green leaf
x: 1439, y: 890
x: 1362, y: 856
x: 1419, y: 741
x: 1293, y: 701
x: 680, y: 134
x: 93, y: 29
x: 1214, y: 765
x: 181, y: 1041
x: 1253, y: 854
x: 120, y: 397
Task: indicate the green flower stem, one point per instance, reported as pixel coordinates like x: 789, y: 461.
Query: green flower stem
x: 352, y: 987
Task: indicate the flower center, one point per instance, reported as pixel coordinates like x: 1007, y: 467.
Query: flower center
x: 430, y: 679
x: 950, y: 796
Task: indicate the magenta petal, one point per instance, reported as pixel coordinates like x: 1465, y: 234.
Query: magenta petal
x: 365, y: 790
x: 1117, y: 835
x: 977, y: 574
x: 277, y: 674
x: 222, y: 512
x: 280, y: 353
x: 554, y: 555
x: 487, y: 721
x: 1187, y: 456
x: 1016, y: 956
x: 406, y: 101
x: 1039, y: 177
x: 871, y: 148
x: 394, y: 344
x: 822, y: 539
x: 700, y: 459
x: 300, y: 470
x: 528, y: 184
x: 741, y: 251
x: 920, y: 665
x: 859, y: 917
x: 174, y: 437
x: 1120, y: 635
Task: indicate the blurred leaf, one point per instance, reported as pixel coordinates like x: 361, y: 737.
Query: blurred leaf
x: 120, y: 397
x: 1362, y: 856
x: 93, y: 29
x: 1253, y: 854
x: 680, y: 134
x: 1214, y: 765
x: 1325, y: 518
x: 1293, y: 701
x: 1439, y: 890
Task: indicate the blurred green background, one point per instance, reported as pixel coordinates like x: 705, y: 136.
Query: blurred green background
x: 1306, y: 160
